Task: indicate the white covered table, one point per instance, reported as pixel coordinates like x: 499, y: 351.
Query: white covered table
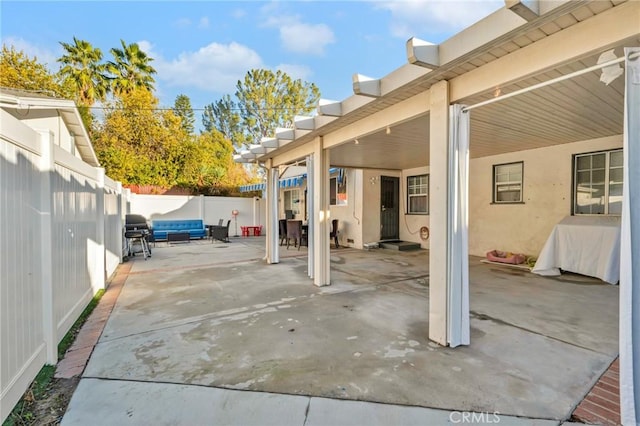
x: 587, y: 245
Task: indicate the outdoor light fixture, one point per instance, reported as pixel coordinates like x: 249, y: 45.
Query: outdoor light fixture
x: 388, y: 130
x: 356, y: 141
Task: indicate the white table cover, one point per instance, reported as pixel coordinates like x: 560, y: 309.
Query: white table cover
x: 587, y: 245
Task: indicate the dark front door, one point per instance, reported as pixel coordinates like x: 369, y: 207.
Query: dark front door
x: 389, y: 208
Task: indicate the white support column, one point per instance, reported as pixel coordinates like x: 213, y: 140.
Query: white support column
x: 458, y: 237
x: 310, y: 218
x: 322, y: 275
x: 100, y: 277
x: 47, y: 168
x: 271, y: 189
x: 438, y: 201
x: 256, y: 211
x: 630, y: 248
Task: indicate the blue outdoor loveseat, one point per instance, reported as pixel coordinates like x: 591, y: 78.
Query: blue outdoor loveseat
x: 195, y: 228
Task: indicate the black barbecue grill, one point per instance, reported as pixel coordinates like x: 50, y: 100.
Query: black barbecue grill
x: 136, y: 234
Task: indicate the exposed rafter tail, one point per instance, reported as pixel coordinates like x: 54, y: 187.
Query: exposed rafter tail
x: 526, y: 9
x: 330, y: 108
x: 423, y: 53
x: 366, y: 86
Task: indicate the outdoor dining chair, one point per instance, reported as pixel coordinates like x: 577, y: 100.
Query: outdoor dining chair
x: 294, y: 232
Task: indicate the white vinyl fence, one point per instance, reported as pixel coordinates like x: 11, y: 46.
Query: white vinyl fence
x: 60, y: 238
x: 251, y: 211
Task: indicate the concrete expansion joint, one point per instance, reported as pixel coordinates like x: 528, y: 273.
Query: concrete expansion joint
x: 306, y: 412
x: 485, y: 317
x: 199, y: 266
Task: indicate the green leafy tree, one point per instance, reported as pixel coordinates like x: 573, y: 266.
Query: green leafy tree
x: 130, y: 69
x: 82, y: 68
x: 139, y: 144
x: 182, y: 108
x: 209, y: 167
x: 264, y: 101
x: 19, y: 71
x: 224, y: 117
x: 267, y: 100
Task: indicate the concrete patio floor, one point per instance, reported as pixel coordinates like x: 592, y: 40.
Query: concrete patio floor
x: 204, y: 317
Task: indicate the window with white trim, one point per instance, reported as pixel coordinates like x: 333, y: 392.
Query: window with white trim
x: 418, y: 194
x: 292, y: 200
x: 338, y: 191
x: 507, y: 183
x: 598, y: 179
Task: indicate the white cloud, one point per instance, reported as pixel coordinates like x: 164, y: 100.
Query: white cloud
x: 294, y: 71
x: 239, y: 13
x: 146, y: 47
x: 44, y: 55
x: 213, y: 68
x: 415, y: 17
x: 306, y: 38
x: 182, y: 23
x: 204, y: 22
x: 300, y: 37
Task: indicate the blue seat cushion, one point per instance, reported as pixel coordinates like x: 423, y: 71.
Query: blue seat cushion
x: 195, y: 228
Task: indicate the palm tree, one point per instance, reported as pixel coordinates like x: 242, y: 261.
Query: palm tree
x: 83, y: 70
x: 130, y: 69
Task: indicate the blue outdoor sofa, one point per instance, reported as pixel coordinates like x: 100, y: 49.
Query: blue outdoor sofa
x: 195, y: 228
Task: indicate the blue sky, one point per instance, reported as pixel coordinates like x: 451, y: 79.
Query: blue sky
x: 202, y: 48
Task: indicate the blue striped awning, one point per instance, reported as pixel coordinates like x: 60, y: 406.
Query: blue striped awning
x: 291, y: 182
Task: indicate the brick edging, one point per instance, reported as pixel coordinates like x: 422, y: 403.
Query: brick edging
x: 77, y: 356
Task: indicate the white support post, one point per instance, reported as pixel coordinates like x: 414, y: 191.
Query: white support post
x: 47, y: 168
x: 100, y: 273
x: 310, y: 218
x: 630, y: 247
x: 321, y: 213
x: 271, y: 189
x: 438, y: 202
x: 457, y: 232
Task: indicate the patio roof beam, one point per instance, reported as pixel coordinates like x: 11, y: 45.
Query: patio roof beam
x: 248, y: 155
x: 238, y: 158
x: 301, y: 122
x: 330, y: 108
x: 258, y: 149
x: 269, y: 142
x: 422, y: 53
x: 585, y: 38
x: 285, y: 134
x: 526, y: 9
x: 366, y: 86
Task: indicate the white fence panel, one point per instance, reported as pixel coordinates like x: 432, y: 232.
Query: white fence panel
x: 113, y: 223
x: 165, y: 206
x: 74, y: 242
x: 251, y: 211
x: 60, y: 236
x: 21, y: 319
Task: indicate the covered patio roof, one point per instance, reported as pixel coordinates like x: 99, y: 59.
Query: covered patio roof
x: 389, y: 117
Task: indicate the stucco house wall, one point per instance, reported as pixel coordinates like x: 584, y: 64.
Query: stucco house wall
x: 523, y: 227
x: 61, y: 135
x: 371, y: 203
x: 547, y: 196
x: 410, y: 224
x: 350, y: 216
